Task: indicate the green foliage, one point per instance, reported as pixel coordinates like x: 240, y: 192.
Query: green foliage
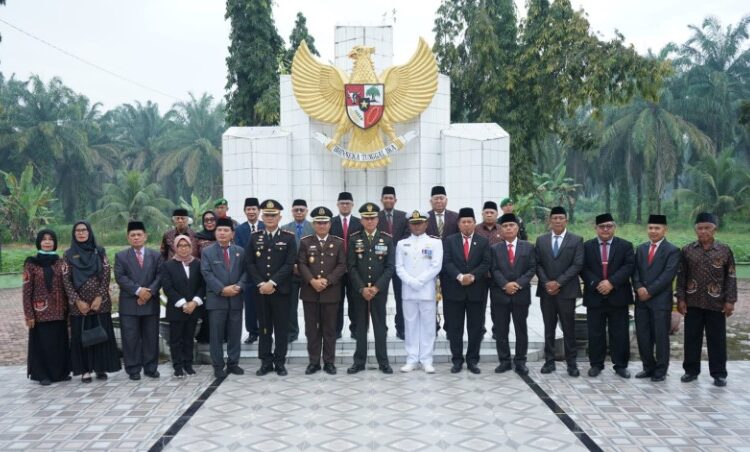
x: 132, y: 197
x: 255, y: 51
x: 554, y: 189
x: 720, y: 185
x: 26, y: 206
x: 196, y: 207
x: 299, y: 33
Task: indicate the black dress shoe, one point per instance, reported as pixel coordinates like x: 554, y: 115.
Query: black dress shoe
x: 312, y: 368
x: 45, y: 382
x: 135, y: 377
x: 658, y: 377
x: 573, y: 372
x: 219, y: 373
x: 89, y: 379
x: 521, y: 369
x: 644, y: 374
x: 720, y: 382
x: 189, y: 369
x: 456, y: 368
x: 548, y: 368
x: 281, y: 370
x: 687, y: 378
x: 624, y: 373
x: 101, y: 376
x: 264, y: 369
x: 251, y: 339
x: 355, y: 368
x: 386, y: 369
x: 595, y: 371
x: 474, y: 369
x: 503, y: 367
x: 329, y: 368
x: 235, y: 370
x: 154, y: 374
x: 179, y: 373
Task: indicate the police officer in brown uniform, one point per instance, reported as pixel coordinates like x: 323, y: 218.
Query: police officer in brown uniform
x: 371, y: 264
x: 321, y: 262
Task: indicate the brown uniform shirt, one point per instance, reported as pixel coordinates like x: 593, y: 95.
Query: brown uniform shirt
x: 321, y: 260
x: 707, y: 278
x: 492, y: 233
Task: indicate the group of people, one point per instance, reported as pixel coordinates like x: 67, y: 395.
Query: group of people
x: 264, y: 268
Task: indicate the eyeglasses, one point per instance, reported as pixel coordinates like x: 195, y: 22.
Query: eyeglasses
x: 299, y: 210
x: 82, y: 230
x: 210, y: 220
x: 605, y: 226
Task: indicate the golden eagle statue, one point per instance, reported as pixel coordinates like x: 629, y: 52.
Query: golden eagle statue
x: 364, y: 103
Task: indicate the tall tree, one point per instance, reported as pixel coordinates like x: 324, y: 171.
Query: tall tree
x: 255, y: 52
x: 26, y: 206
x: 299, y: 33
x: 140, y: 129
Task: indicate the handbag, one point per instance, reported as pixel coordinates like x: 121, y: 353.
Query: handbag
x: 94, y: 335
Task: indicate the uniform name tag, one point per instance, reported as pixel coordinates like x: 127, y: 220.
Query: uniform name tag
x: 381, y: 249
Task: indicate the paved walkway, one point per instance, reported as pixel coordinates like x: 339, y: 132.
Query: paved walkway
x: 371, y: 411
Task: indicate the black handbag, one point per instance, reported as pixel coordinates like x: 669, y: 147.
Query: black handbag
x: 94, y: 335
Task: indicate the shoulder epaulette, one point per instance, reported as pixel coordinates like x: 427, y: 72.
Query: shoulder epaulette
x: 259, y: 231
x: 288, y: 232
x: 434, y: 237
x: 386, y: 234
x: 337, y: 237
x: 356, y: 232
x: 303, y: 238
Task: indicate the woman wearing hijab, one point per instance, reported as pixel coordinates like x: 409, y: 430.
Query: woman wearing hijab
x: 86, y: 275
x: 45, y: 308
x: 207, y: 236
x: 183, y: 284
x: 203, y: 239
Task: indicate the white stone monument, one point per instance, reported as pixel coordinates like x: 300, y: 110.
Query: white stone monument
x: 286, y: 162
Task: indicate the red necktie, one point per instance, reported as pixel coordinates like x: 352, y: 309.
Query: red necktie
x: 227, y: 262
x: 466, y: 249
x: 651, y: 253
x: 604, y: 260
x: 346, y: 233
x: 139, y: 257
x: 511, y: 254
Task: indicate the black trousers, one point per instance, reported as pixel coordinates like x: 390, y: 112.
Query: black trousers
x: 274, y: 314
x: 564, y: 310
x: 181, y: 333
x: 455, y: 312
x: 252, y: 322
x: 399, y: 319
x: 347, y: 291
x: 294, y: 307
x: 715, y: 324
x: 375, y: 309
x: 140, y: 342
x: 615, y: 321
x: 501, y: 316
x: 652, y: 331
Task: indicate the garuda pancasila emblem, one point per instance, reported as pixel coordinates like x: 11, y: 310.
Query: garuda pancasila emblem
x: 364, y: 104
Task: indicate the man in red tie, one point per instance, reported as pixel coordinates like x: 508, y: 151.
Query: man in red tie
x: 513, y: 265
x: 463, y: 279
x: 608, y: 263
x: 656, y: 264
x: 343, y: 226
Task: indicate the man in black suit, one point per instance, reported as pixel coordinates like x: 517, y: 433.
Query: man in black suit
x: 270, y: 258
x: 137, y: 271
x: 559, y: 259
x: 393, y: 222
x: 513, y: 265
x: 344, y: 225
x: 441, y: 222
x: 607, y: 267
x: 656, y: 264
x: 463, y: 279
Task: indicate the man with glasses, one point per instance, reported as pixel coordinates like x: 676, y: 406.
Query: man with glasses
x: 300, y: 227
x: 608, y: 264
x: 343, y: 225
x: 181, y: 222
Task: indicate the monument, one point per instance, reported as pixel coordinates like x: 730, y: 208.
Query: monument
x: 302, y: 157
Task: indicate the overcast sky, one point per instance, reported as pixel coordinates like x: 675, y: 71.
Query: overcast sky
x: 167, y: 48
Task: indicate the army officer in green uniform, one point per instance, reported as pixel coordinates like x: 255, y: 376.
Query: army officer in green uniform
x: 371, y: 265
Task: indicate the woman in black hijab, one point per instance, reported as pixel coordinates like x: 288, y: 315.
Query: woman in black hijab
x: 45, y: 308
x: 86, y: 276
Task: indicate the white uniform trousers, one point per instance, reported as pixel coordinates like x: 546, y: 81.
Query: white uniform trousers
x: 419, y: 330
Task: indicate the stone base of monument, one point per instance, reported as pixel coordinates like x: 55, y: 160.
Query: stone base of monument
x: 345, y: 346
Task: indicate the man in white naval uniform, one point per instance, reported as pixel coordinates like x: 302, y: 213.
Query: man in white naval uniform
x: 419, y: 259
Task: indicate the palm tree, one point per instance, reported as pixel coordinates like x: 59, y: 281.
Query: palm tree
x: 192, y: 149
x: 132, y: 197
x: 140, y: 130
x: 718, y: 184
x: 26, y: 206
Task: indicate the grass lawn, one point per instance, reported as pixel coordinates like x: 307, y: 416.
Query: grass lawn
x: 10, y: 281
